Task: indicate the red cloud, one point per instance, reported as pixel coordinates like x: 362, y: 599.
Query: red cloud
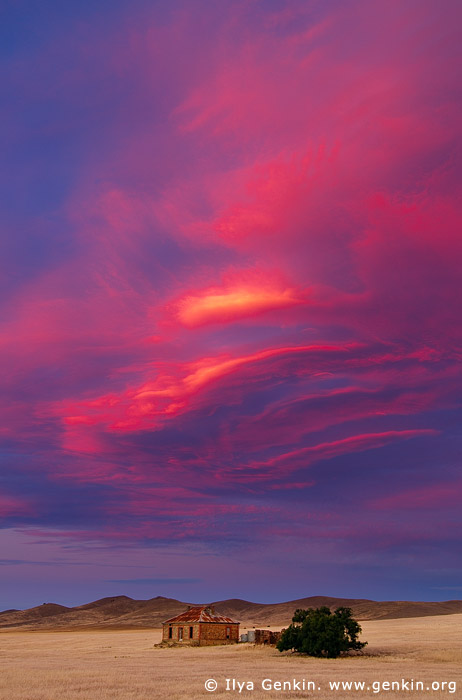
x: 323, y: 153
x: 169, y: 394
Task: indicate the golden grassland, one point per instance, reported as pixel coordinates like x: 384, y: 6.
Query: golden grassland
x: 125, y: 665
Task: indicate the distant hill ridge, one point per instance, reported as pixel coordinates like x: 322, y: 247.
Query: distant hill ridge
x: 122, y: 612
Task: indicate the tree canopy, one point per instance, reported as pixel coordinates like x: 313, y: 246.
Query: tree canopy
x: 319, y: 632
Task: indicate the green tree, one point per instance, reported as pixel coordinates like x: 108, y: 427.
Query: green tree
x: 319, y: 632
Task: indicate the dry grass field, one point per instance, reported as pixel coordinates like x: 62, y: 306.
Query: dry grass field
x: 125, y: 665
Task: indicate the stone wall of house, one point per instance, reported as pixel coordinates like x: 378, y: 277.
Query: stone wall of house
x: 203, y: 633
x: 175, y: 638
x: 217, y: 633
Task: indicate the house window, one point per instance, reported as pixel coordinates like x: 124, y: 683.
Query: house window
x: 180, y: 634
x: 191, y: 632
x: 228, y: 632
x: 170, y: 632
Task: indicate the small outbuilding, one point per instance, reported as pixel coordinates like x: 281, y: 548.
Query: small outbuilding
x: 261, y: 637
x: 200, y: 626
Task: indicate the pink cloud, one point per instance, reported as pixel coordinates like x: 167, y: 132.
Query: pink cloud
x: 439, y: 495
x: 284, y: 464
x: 307, y: 188
x: 170, y: 393
x: 14, y: 506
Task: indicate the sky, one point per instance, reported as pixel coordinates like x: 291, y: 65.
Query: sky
x: 230, y: 283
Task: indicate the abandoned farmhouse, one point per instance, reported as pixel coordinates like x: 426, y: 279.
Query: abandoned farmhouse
x: 200, y: 626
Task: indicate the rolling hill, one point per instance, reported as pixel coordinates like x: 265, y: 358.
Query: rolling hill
x: 122, y: 612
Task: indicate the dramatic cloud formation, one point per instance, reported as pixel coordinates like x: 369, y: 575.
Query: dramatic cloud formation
x: 231, y: 270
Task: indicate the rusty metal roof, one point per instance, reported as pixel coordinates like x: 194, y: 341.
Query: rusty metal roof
x: 204, y: 613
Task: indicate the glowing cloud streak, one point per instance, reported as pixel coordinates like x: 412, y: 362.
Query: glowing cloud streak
x: 233, y: 304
